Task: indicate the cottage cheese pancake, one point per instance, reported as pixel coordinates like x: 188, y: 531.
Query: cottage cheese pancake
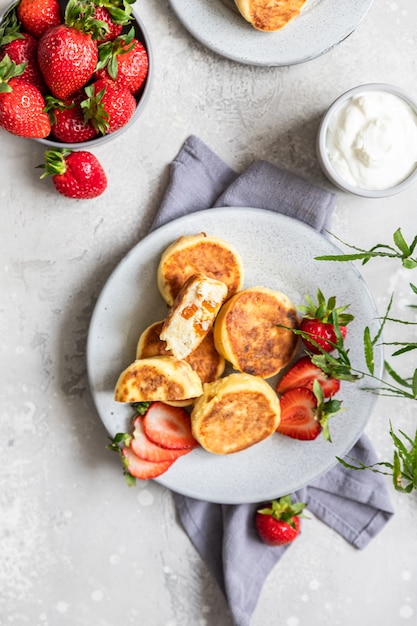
x: 235, y: 412
x: 247, y: 332
x: 161, y: 378
x: 200, y: 253
x: 269, y: 15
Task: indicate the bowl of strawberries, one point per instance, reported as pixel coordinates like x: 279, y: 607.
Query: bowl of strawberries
x: 73, y: 74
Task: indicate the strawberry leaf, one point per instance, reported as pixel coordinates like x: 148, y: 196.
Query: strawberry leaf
x: 141, y: 407
x: 401, y: 243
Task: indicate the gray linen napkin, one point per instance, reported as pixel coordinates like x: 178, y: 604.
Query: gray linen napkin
x: 354, y: 504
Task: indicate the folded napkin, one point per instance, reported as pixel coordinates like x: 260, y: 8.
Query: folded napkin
x: 354, y: 504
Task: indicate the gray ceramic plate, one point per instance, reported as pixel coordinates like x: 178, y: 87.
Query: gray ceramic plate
x: 321, y: 25
x: 277, y: 252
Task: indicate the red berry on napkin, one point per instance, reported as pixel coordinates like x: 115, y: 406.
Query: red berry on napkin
x: 279, y: 523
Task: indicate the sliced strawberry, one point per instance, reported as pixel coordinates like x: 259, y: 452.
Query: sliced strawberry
x: 298, y: 414
x: 139, y: 468
x: 303, y: 374
x: 143, y: 447
x: 169, y: 426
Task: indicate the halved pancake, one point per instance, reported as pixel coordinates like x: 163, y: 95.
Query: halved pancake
x: 205, y: 360
x: 157, y: 378
x: 193, y: 313
x: 246, y: 331
x: 200, y: 253
x: 234, y: 413
x: 269, y: 15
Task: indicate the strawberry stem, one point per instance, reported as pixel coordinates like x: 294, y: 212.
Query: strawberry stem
x: 80, y: 15
x: 284, y: 510
x: 55, y: 162
x: 9, y: 69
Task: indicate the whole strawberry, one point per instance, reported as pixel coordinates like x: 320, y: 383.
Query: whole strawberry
x: 67, y: 119
x: 113, y: 30
x: 115, y: 13
x: 125, y: 61
x: 36, y: 16
x: 279, y: 523
x: 24, y: 50
x: 21, y: 103
x: 322, y: 324
x: 75, y: 174
x: 21, y: 48
x: 67, y: 54
x: 108, y: 106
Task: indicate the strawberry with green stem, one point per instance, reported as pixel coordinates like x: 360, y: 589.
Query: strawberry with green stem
x: 68, y: 53
x: 108, y: 107
x: 116, y: 14
x: 67, y: 119
x: 75, y: 174
x: 21, y: 48
x: 125, y: 61
x: 305, y: 414
x: 278, y: 523
x: 323, y: 326
x: 21, y: 103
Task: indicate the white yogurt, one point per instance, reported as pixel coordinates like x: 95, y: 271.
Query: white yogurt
x: 372, y: 140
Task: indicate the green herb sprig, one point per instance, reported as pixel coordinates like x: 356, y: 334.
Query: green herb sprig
x: 400, y: 250
x: 403, y: 467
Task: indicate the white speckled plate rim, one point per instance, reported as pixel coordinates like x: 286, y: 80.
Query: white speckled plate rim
x: 277, y: 252
x: 321, y: 25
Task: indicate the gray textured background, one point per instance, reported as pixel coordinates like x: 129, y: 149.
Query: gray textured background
x: 77, y: 547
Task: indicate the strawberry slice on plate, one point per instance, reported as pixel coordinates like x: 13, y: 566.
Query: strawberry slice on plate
x: 298, y: 418
x: 169, y: 426
x: 303, y: 374
x: 305, y: 414
x: 140, y: 468
x: 146, y: 449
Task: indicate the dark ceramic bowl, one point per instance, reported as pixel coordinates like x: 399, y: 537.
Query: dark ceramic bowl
x: 141, y: 97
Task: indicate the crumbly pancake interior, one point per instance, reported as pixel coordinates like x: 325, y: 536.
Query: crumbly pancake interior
x: 205, y: 360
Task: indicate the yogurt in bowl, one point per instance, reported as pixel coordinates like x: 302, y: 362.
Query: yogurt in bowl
x: 367, y: 141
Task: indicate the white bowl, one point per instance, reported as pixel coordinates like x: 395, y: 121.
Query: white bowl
x: 141, y: 98
x: 322, y: 152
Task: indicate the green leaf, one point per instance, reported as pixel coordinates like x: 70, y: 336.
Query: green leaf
x: 369, y: 350
x: 409, y: 264
x: 141, y: 407
x: 401, y: 243
x: 414, y: 383
x: 398, y: 379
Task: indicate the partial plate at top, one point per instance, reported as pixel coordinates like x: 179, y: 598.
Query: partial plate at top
x: 321, y: 25
x: 277, y: 252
